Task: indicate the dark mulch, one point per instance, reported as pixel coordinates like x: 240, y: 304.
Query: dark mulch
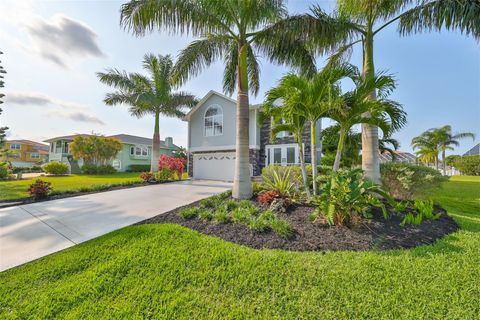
x: 373, y: 234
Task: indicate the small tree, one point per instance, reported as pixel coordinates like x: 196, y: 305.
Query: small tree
x: 95, y: 149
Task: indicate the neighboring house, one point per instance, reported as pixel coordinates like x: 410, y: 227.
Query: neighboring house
x: 474, y: 151
x: 136, y: 151
x: 25, y: 153
x: 211, y: 140
x: 400, y: 156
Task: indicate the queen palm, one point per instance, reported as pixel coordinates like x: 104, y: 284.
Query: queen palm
x: 359, y: 21
x: 356, y: 108
x: 237, y: 31
x: 448, y: 140
x: 148, y: 95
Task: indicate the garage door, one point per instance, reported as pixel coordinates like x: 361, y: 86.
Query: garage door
x: 214, y: 166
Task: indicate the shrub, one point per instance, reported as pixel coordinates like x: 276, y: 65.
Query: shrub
x: 172, y: 163
x: 266, y: 197
x: 221, y: 215
x: 189, y: 213
x: 346, y: 195
x: 230, y: 205
x: 94, y: 169
x: 89, y: 169
x: 281, y: 227
x: 284, y: 181
x: 32, y: 169
x: 408, y: 181
x: 138, y: 168
x: 40, y: 189
x: 258, y: 224
x: 243, y: 215
x: 469, y: 165
x: 106, y: 169
x: 423, y: 211
x: 147, y: 176
x: 205, y: 214
x: 5, y: 172
x: 164, y: 174
x: 56, y: 168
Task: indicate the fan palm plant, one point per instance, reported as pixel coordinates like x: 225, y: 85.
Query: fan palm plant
x: 359, y: 21
x: 311, y: 97
x: 148, y: 95
x: 356, y: 108
x: 237, y: 31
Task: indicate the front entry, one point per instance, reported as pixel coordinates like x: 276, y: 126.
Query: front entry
x: 282, y: 154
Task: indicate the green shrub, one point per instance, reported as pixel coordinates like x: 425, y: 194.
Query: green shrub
x: 258, y: 224
x: 164, y: 174
x: 400, y: 206
x: 56, y: 168
x: 89, y: 169
x: 469, y: 165
x: 281, y: 227
x: 205, y: 214
x: 347, y: 194
x: 106, y: 169
x: 423, y: 211
x: 94, y: 169
x: 408, y: 181
x: 230, y: 205
x: 5, y: 172
x: 138, y: 168
x: 32, y: 169
x: 221, y: 216
x: 189, y: 213
x: 242, y: 215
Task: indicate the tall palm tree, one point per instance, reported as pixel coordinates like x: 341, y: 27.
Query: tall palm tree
x: 237, y: 31
x: 356, y: 108
x: 148, y: 95
x: 312, y: 97
x: 359, y: 21
x: 447, y: 140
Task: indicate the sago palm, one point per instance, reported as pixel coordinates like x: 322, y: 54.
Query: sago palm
x: 356, y: 108
x: 148, y: 95
x: 232, y: 30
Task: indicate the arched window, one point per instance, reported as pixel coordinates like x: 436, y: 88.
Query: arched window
x: 213, y: 121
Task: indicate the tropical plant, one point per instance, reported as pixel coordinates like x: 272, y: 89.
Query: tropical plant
x: 147, y: 176
x: 94, y: 149
x: 237, y: 31
x: 266, y: 197
x: 347, y: 195
x: 356, y: 108
x: 351, y: 151
x: 164, y: 174
x: 423, y: 210
x: 359, y: 21
x: 56, y: 168
x: 447, y: 140
x: 311, y: 97
x: 281, y: 182
x: 172, y: 163
x: 148, y: 95
x: 469, y: 165
x: 408, y: 181
x: 40, y: 189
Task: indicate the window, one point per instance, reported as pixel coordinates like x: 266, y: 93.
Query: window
x: 52, y: 145
x: 284, y: 134
x: 139, y: 151
x: 15, y: 146
x: 213, y: 121
x: 34, y: 155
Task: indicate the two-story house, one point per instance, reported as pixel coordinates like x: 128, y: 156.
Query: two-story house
x: 25, y: 153
x: 136, y: 151
x: 211, y: 140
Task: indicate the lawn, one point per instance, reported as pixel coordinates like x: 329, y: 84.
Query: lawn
x: 16, y: 189
x: 169, y: 272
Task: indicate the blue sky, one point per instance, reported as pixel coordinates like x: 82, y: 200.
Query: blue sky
x: 52, y: 50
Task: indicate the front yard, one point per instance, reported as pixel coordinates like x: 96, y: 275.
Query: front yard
x: 168, y: 271
x: 17, y: 189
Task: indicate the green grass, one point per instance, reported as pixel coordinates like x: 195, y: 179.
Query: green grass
x: 170, y: 272
x: 17, y: 189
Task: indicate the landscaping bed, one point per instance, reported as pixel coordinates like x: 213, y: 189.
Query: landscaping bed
x: 368, y: 234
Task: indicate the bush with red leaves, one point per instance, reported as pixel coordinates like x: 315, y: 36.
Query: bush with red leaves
x: 266, y: 197
x: 40, y: 189
x: 147, y: 176
x: 172, y: 163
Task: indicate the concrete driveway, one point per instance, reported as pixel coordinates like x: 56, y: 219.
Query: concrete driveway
x: 31, y: 231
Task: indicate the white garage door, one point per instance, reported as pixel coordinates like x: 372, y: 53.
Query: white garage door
x: 214, y: 166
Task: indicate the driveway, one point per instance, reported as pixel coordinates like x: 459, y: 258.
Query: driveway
x: 31, y: 231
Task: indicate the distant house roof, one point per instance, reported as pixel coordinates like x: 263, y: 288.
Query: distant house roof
x: 400, y: 156
x: 37, y: 145
x: 474, y: 151
x: 125, y: 138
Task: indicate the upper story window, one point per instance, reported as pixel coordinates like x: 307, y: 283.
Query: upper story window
x: 139, y: 151
x: 15, y: 146
x: 34, y: 155
x: 284, y: 134
x: 214, y: 121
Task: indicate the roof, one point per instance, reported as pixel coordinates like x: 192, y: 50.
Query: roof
x: 474, y: 151
x: 39, y: 145
x: 206, y: 97
x: 400, y: 156
x: 70, y: 137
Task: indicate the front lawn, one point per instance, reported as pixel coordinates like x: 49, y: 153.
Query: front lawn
x: 170, y: 272
x: 17, y: 189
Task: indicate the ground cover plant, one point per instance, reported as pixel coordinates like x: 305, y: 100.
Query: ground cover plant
x: 120, y: 274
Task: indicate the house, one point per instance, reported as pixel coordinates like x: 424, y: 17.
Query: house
x: 211, y: 140
x: 400, y: 156
x: 136, y: 151
x: 25, y: 153
x: 474, y: 151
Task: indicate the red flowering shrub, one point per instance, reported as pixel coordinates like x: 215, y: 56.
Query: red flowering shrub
x: 175, y: 164
x: 147, y: 176
x: 40, y: 189
x: 266, y: 197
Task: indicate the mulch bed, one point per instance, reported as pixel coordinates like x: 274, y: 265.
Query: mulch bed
x: 373, y: 234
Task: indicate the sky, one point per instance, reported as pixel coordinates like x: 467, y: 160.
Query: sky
x: 53, y: 49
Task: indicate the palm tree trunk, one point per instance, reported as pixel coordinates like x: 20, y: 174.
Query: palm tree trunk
x: 242, y: 186
x: 313, y: 137
x: 443, y: 163
x: 370, y: 154
x: 155, y: 145
x: 302, y: 165
x: 338, y: 156
x: 436, y: 161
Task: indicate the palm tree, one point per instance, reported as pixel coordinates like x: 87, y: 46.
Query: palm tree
x: 311, y: 97
x: 282, y: 119
x: 359, y: 21
x: 356, y: 108
x: 150, y: 94
x: 237, y: 31
x: 382, y: 146
x: 351, y: 150
x: 447, y: 140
